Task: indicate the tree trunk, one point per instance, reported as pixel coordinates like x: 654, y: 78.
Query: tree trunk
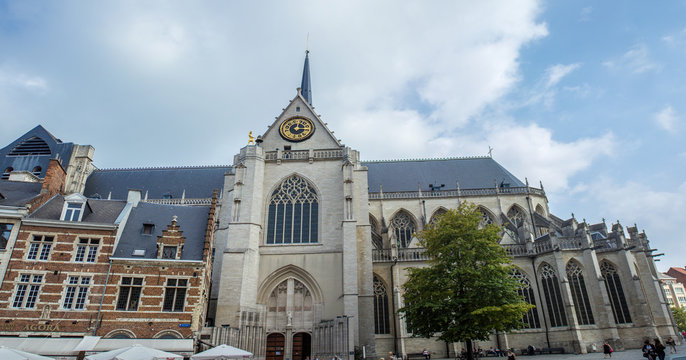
x: 470, y: 351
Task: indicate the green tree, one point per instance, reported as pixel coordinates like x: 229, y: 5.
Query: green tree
x: 466, y: 290
x: 679, y: 317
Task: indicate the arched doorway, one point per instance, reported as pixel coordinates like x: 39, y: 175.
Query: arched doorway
x: 302, y: 343
x: 275, y: 346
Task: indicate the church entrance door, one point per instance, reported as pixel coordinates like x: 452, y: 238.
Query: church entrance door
x: 302, y: 343
x: 275, y: 346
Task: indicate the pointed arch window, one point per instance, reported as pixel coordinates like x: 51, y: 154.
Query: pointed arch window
x: 527, y: 293
x: 486, y: 218
x: 614, y: 289
x: 437, y: 214
x: 516, y: 216
x: 582, y: 305
x: 377, y: 242
x: 381, y: 318
x: 553, y: 296
x: 404, y: 227
x: 290, y: 303
x: 293, y: 215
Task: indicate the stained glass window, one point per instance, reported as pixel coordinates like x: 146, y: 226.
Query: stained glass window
x: 293, y: 213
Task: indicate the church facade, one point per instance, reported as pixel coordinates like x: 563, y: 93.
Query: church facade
x: 311, y: 245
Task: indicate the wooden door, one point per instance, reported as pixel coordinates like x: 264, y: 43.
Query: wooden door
x: 275, y: 346
x: 302, y: 343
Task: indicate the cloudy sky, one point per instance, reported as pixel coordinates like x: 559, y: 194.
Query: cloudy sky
x: 585, y: 96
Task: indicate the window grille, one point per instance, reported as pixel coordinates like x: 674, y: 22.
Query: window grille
x: 129, y: 293
x: 582, y: 304
x: 76, y: 293
x: 87, y: 250
x: 486, y: 218
x: 175, y: 295
x: 404, y: 228
x: 26, y: 294
x: 553, y: 296
x: 527, y: 293
x: 293, y: 215
x: 40, y: 247
x: 5, y: 231
x: 613, y: 284
x: 381, y: 318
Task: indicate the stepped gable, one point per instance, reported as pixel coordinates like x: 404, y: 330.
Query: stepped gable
x: 192, y: 222
x: 470, y: 172
x: 197, y: 182
x: 95, y: 211
x: 18, y: 193
x: 35, y: 148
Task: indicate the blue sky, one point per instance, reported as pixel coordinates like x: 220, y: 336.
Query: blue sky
x: 585, y: 96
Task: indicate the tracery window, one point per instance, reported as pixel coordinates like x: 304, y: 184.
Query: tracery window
x: 516, y: 216
x: 582, y: 305
x: 404, y: 227
x: 486, y: 218
x: 381, y: 318
x: 553, y: 296
x: 527, y: 293
x: 290, y: 303
x: 614, y: 289
x: 437, y: 214
x: 377, y: 242
x: 293, y: 213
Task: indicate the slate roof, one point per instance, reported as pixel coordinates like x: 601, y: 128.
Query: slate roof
x: 58, y: 149
x: 18, y: 193
x: 192, y: 221
x: 471, y: 173
x: 198, y: 182
x: 96, y: 211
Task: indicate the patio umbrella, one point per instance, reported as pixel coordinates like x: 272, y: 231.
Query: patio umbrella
x: 135, y: 352
x: 11, y: 354
x: 222, y: 352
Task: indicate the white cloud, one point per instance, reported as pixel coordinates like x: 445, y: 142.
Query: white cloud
x: 23, y: 81
x: 585, y: 14
x: 555, y: 73
x: 667, y: 119
x: 637, y: 60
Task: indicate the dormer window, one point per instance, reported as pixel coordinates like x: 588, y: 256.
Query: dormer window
x: 148, y: 229
x: 36, y: 171
x: 167, y: 196
x: 73, y: 207
x: 169, y: 252
x: 73, y: 212
x: 6, y: 173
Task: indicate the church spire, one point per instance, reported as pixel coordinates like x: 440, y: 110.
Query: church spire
x: 305, y: 87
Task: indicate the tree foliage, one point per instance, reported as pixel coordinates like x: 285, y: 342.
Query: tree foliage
x: 679, y: 317
x: 466, y: 290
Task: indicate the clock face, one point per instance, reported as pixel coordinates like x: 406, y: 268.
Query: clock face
x: 296, y: 129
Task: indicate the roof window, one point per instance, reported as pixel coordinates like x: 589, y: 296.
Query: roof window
x: 36, y: 171
x: 6, y: 173
x: 73, y: 207
x: 148, y: 229
x: 138, y: 252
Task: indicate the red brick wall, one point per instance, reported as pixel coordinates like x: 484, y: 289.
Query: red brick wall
x: 53, y: 184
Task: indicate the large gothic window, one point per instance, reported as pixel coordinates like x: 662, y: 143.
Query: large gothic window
x: 553, y: 296
x: 616, y: 293
x: 437, y: 214
x: 290, y: 303
x: 404, y: 227
x: 293, y: 213
x: 582, y: 305
x: 377, y: 242
x: 486, y: 218
x: 381, y: 319
x: 527, y: 293
x: 516, y: 216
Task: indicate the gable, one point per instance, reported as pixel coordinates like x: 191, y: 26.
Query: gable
x: 321, y: 137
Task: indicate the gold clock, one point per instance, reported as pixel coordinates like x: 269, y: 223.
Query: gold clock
x: 296, y: 129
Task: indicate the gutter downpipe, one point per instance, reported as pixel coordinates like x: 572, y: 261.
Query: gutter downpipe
x: 395, y: 319
x: 540, y: 300
x: 102, y: 298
